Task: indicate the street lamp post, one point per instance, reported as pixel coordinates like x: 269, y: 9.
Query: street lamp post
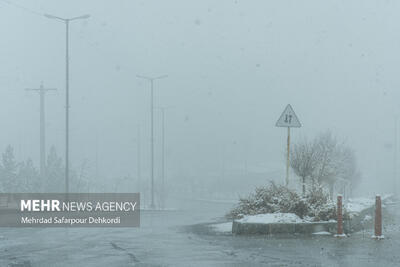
x: 66, y: 21
x: 163, y: 154
x: 151, y: 80
x: 395, y: 155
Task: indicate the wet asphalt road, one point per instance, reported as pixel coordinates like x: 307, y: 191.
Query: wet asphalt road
x: 184, y: 238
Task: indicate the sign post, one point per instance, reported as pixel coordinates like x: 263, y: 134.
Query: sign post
x: 287, y: 156
x: 288, y: 119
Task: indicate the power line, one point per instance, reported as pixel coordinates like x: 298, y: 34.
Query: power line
x: 22, y: 8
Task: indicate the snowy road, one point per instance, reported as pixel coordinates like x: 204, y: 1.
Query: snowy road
x: 161, y: 239
x: 357, y: 250
x: 164, y: 239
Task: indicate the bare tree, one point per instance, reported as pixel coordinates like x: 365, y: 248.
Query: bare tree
x: 328, y: 166
x: 304, y: 160
x: 336, y: 161
x: 324, y: 161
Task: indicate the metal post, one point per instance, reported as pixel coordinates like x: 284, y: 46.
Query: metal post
x: 152, y: 205
x: 67, y: 106
x: 139, y: 174
x: 42, y: 134
x: 395, y: 156
x: 152, y: 146
x: 288, y: 157
x: 97, y: 156
x: 163, y: 156
x: 66, y: 21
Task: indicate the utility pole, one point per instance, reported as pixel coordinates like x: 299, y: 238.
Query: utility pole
x: 42, y: 91
x: 151, y: 80
x: 66, y: 21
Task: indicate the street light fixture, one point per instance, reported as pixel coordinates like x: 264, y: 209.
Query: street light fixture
x: 66, y: 21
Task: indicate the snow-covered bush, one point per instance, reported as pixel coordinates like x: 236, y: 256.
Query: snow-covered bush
x: 319, y: 206
x: 273, y: 198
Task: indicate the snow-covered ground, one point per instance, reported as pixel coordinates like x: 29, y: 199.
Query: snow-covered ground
x: 161, y: 240
x: 357, y: 205
x: 165, y: 239
x: 148, y: 208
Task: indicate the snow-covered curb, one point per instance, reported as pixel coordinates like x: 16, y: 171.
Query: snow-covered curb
x: 360, y: 211
x: 225, y: 227
x: 322, y: 233
x: 282, y: 228
x: 272, y: 218
x: 280, y: 223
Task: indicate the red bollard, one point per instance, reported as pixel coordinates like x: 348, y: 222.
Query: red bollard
x: 378, y: 218
x: 339, y: 217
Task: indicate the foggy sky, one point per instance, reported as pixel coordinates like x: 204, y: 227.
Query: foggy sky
x: 232, y: 68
